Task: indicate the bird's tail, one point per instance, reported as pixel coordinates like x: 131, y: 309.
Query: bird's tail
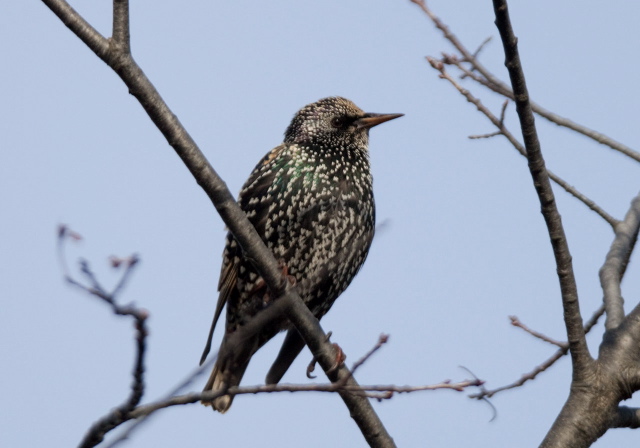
x: 222, y: 377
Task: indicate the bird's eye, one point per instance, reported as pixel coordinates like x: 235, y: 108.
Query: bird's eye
x: 337, y: 122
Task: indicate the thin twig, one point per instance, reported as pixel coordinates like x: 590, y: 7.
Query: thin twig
x: 481, y: 47
x: 135, y: 424
x: 96, y: 433
x: 500, y: 87
x: 480, y: 136
x: 383, y: 339
x: 439, y: 65
x: 502, y: 125
x: 382, y: 392
x: 588, y: 326
x: 518, y: 323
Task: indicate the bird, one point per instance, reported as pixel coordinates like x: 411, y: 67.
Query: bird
x: 311, y: 201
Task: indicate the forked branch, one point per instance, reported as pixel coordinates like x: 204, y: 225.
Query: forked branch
x: 116, y: 53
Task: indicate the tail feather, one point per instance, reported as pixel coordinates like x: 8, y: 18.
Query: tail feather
x: 233, y: 360
x: 221, y: 379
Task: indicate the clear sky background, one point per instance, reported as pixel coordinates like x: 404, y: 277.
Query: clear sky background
x: 463, y: 245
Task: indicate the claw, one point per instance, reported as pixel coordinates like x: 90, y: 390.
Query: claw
x: 340, y: 359
x: 310, y: 368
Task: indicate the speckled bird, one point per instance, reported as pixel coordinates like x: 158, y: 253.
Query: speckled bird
x: 311, y: 201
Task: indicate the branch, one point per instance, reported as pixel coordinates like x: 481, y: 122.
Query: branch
x: 518, y: 323
x: 593, y: 320
x: 627, y: 417
x: 120, y: 414
x: 502, y: 130
x: 616, y: 262
x: 119, y: 59
x: 383, y: 339
x: 573, y: 320
x: 498, y: 86
x: 181, y: 386
x: 380, y: 392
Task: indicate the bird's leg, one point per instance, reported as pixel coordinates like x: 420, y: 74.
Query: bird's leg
x: 260, y: 283
x: 285, y: 272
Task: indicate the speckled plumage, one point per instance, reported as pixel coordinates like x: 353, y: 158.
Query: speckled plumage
x: 311, y: 201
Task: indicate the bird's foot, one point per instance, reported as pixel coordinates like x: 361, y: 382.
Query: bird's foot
x: 340, y: 359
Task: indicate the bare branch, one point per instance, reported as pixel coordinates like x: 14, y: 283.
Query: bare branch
x: 593, y: 320
x: 479, y: 136
x: 524, y: 378
x: 120, y: 414
x: 383, y: 339
x: 121, y: 34
x: 179, y: 388
x: 381, y: 392
x: 439, y: 65
x: 494, y: 134
x: 80, y: 27
x: 481, y: 47
x: 573, y: 320
x: 627, y: 417
x: 616, y: 262
x: 498, y: 86
x: 518, y: 323
x: 118, y: 57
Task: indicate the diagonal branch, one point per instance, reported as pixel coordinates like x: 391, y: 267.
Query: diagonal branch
x: 616, y: 262
x: 589, y: 324
x: 580, y: 356
x: 502, y: 130
x: 536, y: 334
x: 119, y: 58
x: 498, y: 86
x: 80, y: 27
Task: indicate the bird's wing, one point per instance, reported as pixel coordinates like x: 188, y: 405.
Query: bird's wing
x: 227, y: 284
x: 256, y: 188
x: 255, y: 197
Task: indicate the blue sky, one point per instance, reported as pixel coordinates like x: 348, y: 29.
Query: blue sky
x: 464, y: 245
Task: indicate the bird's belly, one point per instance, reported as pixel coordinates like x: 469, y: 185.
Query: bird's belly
x: 323, y: 246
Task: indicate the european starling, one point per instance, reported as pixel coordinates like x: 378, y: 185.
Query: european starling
x: 311, y: 201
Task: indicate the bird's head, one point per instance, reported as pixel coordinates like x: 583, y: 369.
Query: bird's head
x: 333, y: 122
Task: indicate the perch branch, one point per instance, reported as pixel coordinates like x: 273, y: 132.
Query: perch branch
x: 119, y: 58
